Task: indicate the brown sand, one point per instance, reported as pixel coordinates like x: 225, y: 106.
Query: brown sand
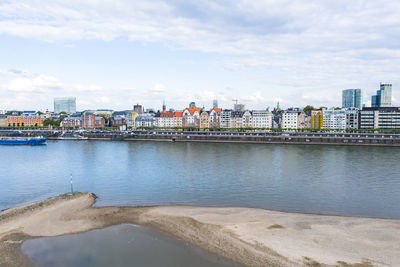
x: 254, y: 237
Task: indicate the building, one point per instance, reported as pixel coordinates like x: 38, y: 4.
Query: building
x: 214, y: 118
x: 215, y: 103
x: 247, y: 119
x: 91, y: 121
x: 236, y: 120
x: 104, y: 112
x: 25, y: 121
x: 334, y: 119
x: 352, y: 98
x: 379, y: 118
x: 138, y: 109
x: 261, y: 119
x: 131, y: 119
x: 73, y: 121
x: 204, y: 120
x: 178, y: 118
x: 65, y: 104
x: 383, y: 97
x: 192, y: 105
x: 145, y: 120
x: 289, y: 119
x: 352, y: 118
x: 165, y: 119
x: 303, y: 120
x: 3, y: 120
x: 191, y: 117
x: 225, y: 118
x: 117, y: 121
x: 317, y: 121
x: 238, y: 107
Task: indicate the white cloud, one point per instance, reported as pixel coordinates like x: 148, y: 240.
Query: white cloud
x: 306, y: 50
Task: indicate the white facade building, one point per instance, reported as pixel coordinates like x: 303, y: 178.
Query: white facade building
x: 225, y: 118
x: 334, y: 119
x: 289, y: 119
x: 261, y: 119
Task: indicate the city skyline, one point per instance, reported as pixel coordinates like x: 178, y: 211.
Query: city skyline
x: 114, y: 54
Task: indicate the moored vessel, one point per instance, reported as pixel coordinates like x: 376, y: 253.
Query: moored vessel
x: 8, y: 140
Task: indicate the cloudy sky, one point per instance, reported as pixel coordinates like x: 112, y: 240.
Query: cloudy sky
x: 115, y: 53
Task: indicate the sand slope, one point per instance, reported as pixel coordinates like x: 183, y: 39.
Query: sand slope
x: 254, y: 237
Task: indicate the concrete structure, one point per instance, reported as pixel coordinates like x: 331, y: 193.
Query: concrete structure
x: 65, y: 104
x: 352, y: 98
x: 334, y: 119
x: 379, y: 118
x: 383, y: 97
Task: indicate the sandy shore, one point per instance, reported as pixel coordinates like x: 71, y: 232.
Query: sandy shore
x: 254, y: 237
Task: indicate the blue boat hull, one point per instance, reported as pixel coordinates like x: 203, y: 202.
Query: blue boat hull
x: 27, y: 141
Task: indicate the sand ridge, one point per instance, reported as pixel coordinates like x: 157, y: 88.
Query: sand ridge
x: 253, y: 237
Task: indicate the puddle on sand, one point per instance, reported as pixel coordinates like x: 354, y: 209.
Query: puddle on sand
x: 120, y: 245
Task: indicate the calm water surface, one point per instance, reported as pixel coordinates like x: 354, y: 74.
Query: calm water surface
x: 340, y: 180
x: 122, y: 245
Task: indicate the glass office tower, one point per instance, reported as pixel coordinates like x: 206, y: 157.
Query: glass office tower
x: 65, y: 104
x: 352, y: 98
x: 383, y: 97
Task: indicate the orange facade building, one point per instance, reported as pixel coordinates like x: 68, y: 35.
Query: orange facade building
x: 24, y: 121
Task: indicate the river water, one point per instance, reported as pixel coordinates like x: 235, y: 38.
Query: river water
x: 336, y: 180
x: 121, y: 245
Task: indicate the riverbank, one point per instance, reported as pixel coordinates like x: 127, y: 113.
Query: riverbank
x: 254, y: 237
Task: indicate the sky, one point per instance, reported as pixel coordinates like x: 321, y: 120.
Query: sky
x: 114, y: 53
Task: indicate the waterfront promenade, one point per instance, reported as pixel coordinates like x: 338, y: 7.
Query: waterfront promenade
x: 254, y: 237
x: 266, y: 137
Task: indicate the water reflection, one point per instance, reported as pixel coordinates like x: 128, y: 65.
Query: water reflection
x: 121, y: 245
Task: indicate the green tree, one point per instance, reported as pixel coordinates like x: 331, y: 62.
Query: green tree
x: 308, y: 107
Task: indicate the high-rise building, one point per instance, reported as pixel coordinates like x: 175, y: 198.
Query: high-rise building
x: 352, y: 98
x: 215, y: 103
x: 138, y: 109
x: 383, y: 97
x: 65, y: 104
x: 238, y: 107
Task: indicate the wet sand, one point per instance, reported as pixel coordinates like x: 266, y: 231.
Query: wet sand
x: 254, y: 237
